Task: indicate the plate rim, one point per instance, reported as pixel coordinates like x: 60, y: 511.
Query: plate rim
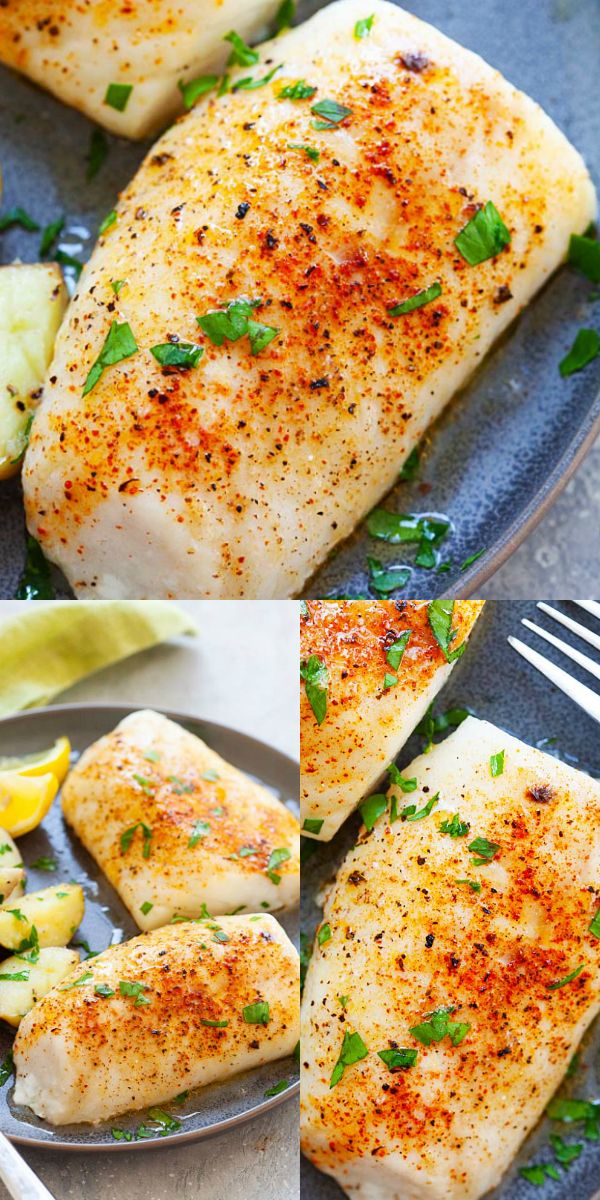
x: 227, y: 1123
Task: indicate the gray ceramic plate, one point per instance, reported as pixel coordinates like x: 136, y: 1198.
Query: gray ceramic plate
x: 503, y: 450
x: 496, y: 684
x: 208, y: 1110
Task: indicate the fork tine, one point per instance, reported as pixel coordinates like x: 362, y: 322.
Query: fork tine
x: 591, y: 638
x: 582, y: 695
x: 590, y: 606
x: 587, y: 663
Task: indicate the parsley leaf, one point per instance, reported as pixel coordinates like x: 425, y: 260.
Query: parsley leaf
x: 285, y: 15
x: 200, y: 830
x: 387, y: 579
x: 584, y: 255
x: 194, y: 88
x: 310, y: 151
x: 44, y: 864
x: 85, y: 978
x: 120, y: 343
x: 257, y: 1013
x: 50, y: 234
x: 353, y: 1049
x: 177, y: 354
x: 97, y: 153
x: 419, y: 300
x: 372, y: 809
x: 594, y: 926
x: 128, y: 835
x: 276, y: 858
x: 248, y: 83
x: 474, y: 884
x: 395, y: 652
x: 584, y: 350
x: 324, y: 934
x: 7, y: 1068
x: 18, y: 216
x: 297, y: 91
x: 277, y: 1088
x: 455, y: 828
x: 396, y: 778
x: 553, y: 987
x: 411, y: 466
x: 331, y: 112
x: 438, y: 1025
x: 411, y: 813
x: 117, y: 95
x: 109, y: 220
x: 133, y: 988
x: 241, y: 54
x: 486, y: 851
x: 440, y: 614
x: 36, y: 580
x: 363, y: 28
x: 398, y: 1060
x: 483, y: 237
x: 316, y: 680
x: 497, y: 764
x: 313, y: 825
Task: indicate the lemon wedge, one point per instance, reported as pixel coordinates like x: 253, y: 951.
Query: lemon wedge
x: 25, y: 800
x: 55, y: 760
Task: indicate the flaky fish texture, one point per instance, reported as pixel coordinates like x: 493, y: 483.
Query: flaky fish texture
x: 78, y: 48
x: 236, y: 477
x: 175, y: 827
x: 366, y: 722
x: 184, y: 1017
x: 487, y: 921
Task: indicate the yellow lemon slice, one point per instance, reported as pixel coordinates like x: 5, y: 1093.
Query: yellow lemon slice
x: 25, y: 800
x: 55, y: 760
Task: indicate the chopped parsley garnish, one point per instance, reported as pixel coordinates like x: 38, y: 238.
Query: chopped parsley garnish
x: 83, y: 979
x: 210, y: 776
x: 179, y: 787
x: 285, y: 15
x: 474, y: 884
x: 109, y: 220
x: 395, y: 652
x: 248, y: 83
x: 565, y: 1152
x: 277, y: 1089
x: 455, y: 827
x: 398, y: 1060
x: 146, y: 907
x: 257, y: 1013
x: 387, y: 579
x: 316, y: 680
x: 276, y: 858
x: 324, y: 934
x: 406, y: 785
x: 121, y: 1135
x: 538, y: 1173
x: 584, y: 255
x: 363, y: 28
x: 146, y: 785
x: 372, y: 809
x: 594, y: 926
x: 411, y: 466
x: 411, y: 813
x: 310, y: 151
x: 67, y: 260
x: 200, y: 830
x: 314, y: 825
x: 89, y: 953
x: 438, y: 1025
x: 297, y: 91
x: 305, y: 956
x: 103, y: 990
x: 483, y: 237
x: 7, y: 1068
x: 330, y: 112
x: 234, y: 322
x: 18, y: 216
x: 417, y: 301
x: 389, y: 681
x: 167, y: 1123
x: 50, y: 234
x: 133, y: 988
x: 241, y: 54
x: 194, y: 88
x: 497, y: 764
x: 584, y: 350
x: 152, y: 756
x: 177, y: 354
x: 128, y: 835
x: 117, y: 95
x: 97, y: 153
x: 120, y: 343
x: 440, y: 613
x: 246, y: 851
x: 553, y: 987
x: 17, y: 977
x: 214, y: 1024
x: 395, y: 527
x: 485, y: 851
x: 353, y: 1049
x: 44, y: 864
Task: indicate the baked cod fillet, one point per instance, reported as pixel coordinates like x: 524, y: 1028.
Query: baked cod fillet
x: 366, y: 723
x: 137, y: 1025
x: 77, y: 50
x: 488, y: 928
x: 236, y: 477
x: 174, y: 827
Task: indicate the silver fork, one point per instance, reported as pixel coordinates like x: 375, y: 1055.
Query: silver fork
x: 582, y: 695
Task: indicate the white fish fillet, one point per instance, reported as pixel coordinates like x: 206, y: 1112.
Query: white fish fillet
x: 203, y: 832
x: 407, y: 938
x: 366, y: 724
x: 78, y: 49
x: 236, y: 478
x: 84, y: 1056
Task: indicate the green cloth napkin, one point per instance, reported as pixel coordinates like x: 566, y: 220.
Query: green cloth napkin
x: 47, y: 647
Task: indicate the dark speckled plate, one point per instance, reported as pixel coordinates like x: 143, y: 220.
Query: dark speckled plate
x: 206, y: 1111
x: 497, y: 685
x: 499, y: 456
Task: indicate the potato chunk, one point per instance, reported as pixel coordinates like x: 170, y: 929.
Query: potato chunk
x: 33, y: 299
x: 12, y: 883
x: 55, y: 912
x: 22, y: 983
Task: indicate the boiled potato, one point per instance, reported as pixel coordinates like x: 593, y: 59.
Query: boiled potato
x: 33, y: 299
x: 32, y: 980
x: 55, y: 912
x: 12, y: 883
x: 10, y: 855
